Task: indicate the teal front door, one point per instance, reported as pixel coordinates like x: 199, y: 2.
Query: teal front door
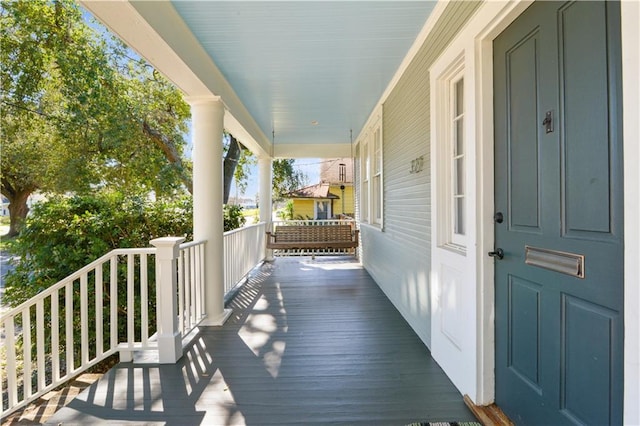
x: 558, y: 195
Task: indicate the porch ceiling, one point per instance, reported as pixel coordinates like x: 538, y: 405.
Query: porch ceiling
x: 278, y: 66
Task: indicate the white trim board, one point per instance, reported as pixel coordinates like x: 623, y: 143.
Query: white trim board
x: 630, y: 14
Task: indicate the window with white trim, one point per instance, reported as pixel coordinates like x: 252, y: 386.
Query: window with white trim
x: 377, y: 176
x: 364, y: 189
x: 370, y: 152
x: 449, y: 151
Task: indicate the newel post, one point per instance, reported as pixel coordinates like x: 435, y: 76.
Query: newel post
x: 169, y: 336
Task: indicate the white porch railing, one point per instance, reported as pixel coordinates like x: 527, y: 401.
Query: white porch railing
x: 42, y: 349
x: 314, y: 252
x: 191, y: 270
x: 244, y: 248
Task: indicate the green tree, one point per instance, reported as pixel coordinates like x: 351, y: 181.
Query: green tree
x: 78, y: 112
x: 286, y: 178
x: 233, y: 217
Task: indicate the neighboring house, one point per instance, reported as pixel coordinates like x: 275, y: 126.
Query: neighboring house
x: 5, y: 206
x: 33, y: 198
x: 332, y: 197
x: 313, y: 202
x: 497, y: 179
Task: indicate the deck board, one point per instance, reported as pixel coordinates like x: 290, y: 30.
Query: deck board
x: 309, y: 342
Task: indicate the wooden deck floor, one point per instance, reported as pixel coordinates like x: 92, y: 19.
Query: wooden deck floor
x: 309, y: 342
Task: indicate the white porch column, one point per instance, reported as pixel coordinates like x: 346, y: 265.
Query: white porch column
x: 207, y: 116
x: 265, y: 194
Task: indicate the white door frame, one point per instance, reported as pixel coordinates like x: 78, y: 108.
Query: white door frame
x: 475, y: 45
x: 478, y: 35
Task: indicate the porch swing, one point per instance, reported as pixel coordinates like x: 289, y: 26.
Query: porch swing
x: 305, y: 236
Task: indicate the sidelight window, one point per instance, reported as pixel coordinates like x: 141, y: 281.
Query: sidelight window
x: 458, y: 156
x: 450, y: 151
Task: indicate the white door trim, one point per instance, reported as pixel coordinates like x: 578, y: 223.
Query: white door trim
x: 630, y: 13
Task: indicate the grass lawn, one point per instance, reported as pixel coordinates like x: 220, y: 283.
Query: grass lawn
x: 250, y: 212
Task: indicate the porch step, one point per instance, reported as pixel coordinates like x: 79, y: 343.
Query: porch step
x: 44, y: 407
x: 488, y: 415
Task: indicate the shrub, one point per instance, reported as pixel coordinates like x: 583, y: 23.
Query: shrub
x: 287, y: 211
x: 233, y: 217
x: 63, y: 234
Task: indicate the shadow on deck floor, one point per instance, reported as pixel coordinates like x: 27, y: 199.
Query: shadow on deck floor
x: 309, y: 342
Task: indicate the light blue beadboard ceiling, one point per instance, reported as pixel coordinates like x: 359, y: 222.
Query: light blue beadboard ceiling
x: 297, y: 62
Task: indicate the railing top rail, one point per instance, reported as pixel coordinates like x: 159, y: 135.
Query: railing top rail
x: 314, y: 221
x: 74, y: 276
x: 244, y: 228
x: 191, y: 244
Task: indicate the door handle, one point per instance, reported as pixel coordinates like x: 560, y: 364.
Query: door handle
x: 497, y: 253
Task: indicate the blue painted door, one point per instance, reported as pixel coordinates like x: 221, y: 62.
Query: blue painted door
x: 558, y: 148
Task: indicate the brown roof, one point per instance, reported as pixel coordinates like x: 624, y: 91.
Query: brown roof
x: 320, y: 190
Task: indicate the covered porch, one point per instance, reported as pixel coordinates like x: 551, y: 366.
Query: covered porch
x: 334, y: 342
x: 309, y: 341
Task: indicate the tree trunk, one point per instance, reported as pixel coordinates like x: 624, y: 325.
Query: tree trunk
x: 18, y: 210
x: 229, y: 165
x: 170, y: 152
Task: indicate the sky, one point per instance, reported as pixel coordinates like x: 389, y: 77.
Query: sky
x: 309, y: 166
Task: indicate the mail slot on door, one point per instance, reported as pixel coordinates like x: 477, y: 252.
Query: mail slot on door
x: 558, y: 261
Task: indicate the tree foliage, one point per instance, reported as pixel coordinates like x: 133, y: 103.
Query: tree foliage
x: 286, y: 178
x: 233, y: 217
x: 79, y: 112
x: 63, y: 234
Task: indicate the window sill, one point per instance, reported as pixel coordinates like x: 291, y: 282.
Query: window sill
x: 455, y: 248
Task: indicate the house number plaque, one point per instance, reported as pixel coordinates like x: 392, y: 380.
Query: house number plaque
x: 417, y: 165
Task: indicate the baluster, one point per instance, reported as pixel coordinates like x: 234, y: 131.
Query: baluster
x: 55, y: 336
x: 84, y: 320
x: 99, y: 307
x: 144, y: 299
x: 191, y: 289
x: 127, y: 356
x: 181, y: 290
x: 68, y: 329
x: 12, y: 372
x: 198, y: 282
x: 40, y: 328
x: 26, y: 350
x: 113, y: 282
